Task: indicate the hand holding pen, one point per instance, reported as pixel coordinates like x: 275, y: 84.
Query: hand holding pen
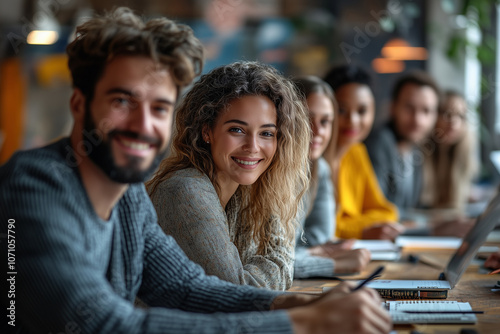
x: 346, y: 311
x: 374, y: 275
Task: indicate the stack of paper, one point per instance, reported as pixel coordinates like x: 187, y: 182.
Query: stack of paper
x: 428, y: 242
x: 437, y: 243
x: 382, y: 250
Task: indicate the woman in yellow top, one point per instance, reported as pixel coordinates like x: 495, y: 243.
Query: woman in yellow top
x: 362, y: 210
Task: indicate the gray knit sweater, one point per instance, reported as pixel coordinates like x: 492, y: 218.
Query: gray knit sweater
x: 77, y: 273
x: 189, y: 209
x: 317, y: 226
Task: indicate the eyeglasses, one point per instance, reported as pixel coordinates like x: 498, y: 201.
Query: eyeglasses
x: 451, y: 116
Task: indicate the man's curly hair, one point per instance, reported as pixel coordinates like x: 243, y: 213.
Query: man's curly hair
x: 120, y: 33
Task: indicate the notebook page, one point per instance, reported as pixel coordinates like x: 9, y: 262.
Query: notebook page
x: 428, y: 305
x: 396, y: 309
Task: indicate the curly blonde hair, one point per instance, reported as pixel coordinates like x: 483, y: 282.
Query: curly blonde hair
x: 121, y: 32
x: 276, y: 195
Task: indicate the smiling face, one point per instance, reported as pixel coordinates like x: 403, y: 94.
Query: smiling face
x: 131, y: 112
x: 321, y: 113
x: 356, y: 113
x: 243, y: 141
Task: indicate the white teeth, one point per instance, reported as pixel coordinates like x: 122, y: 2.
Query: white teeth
x: 135, y: 145
x: 243, y: 162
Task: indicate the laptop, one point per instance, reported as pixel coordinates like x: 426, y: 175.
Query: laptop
x: 415, y: 289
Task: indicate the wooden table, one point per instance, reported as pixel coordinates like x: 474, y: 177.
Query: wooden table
x: 473, y: 287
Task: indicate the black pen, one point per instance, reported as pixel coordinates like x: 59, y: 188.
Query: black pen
x: 375, y: 274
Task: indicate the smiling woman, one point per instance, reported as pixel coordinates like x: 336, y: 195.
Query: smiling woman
x: 243, y: 142
x: 363, y: 211
x: 315, y: 254
x: 229, y: 192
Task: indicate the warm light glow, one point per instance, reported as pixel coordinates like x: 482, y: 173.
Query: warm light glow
x: 404, y: 53
x: 399, y: 49
x: 397, y: 42
x: 42, y: 37
x: 383, y: 65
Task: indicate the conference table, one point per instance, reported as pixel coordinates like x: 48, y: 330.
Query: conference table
x: 475, y: 287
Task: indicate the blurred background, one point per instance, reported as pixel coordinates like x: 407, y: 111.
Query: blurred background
x: 454, y: 40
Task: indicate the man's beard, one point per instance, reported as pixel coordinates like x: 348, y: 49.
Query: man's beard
x: 100, y: 152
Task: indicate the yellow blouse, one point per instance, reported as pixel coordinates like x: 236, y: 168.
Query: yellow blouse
x: 361, y: 202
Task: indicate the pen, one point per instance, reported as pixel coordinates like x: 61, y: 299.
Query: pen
x: 445, y: 312
x: 375, y: 274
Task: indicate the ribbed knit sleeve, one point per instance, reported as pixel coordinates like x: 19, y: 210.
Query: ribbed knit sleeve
x: 307, y: 266
x: 64, y: 285
x: 188, y: 288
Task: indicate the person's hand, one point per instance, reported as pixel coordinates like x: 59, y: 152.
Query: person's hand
x: 290, y: 300
x: 493, y: 261
x: 329, y: 249
x: 454, y: 228
x: 342, y: 311
x: 351, y: 261
x: 347, y: 260
x: 386, y: 231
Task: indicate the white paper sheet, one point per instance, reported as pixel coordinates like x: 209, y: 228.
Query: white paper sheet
x: 428, y: 242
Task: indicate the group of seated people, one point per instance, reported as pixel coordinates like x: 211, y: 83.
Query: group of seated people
x: 266, y: 179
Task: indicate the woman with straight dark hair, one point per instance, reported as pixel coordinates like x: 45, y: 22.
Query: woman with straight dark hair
x: 363, y: 211
x: 316, y: 254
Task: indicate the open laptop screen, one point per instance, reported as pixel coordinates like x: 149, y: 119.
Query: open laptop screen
x: 485, y: 223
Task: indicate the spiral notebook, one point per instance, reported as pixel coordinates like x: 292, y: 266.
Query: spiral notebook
x: 485, y: 223
x: 397, y: 310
